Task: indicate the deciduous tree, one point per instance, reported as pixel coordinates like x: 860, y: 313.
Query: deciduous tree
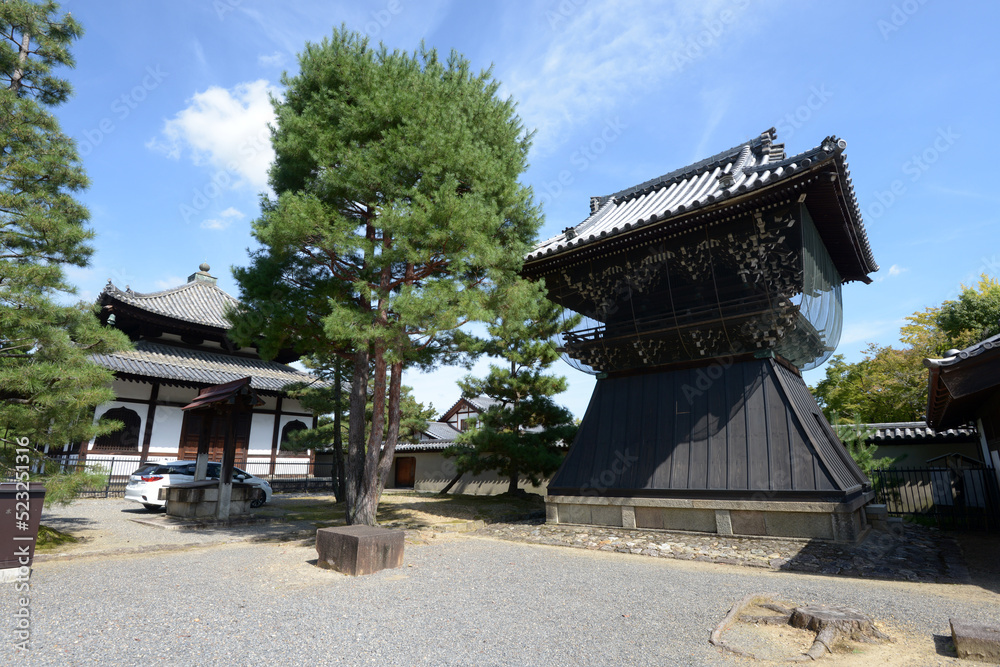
x: 890, y: 383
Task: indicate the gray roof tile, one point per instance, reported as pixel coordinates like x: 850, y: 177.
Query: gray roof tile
x: 168, y: 362
x: 723, y: 176
x: 200, y: 302
x: 900, y: 432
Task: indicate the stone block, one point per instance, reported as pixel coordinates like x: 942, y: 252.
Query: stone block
x: 723, y: 522
x: 672, y: 518
x: 846, y: 526
x: 800, y: 524
x: 573, y: 513
x: 976, y: 642
x: 877, y: 512
x: 606, y: 516
x: 551, y: 512
x: 358, y: 550
x: 628, y: 516
x: 747, y: 522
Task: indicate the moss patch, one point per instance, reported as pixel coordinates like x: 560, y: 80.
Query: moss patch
x: 50, y: 538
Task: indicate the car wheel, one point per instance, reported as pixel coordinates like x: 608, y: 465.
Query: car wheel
x: 152, y: 508
x: 259, y: 498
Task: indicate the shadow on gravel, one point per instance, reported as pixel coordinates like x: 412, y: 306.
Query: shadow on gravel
x: 69, y: 524
x: 916, y: 553
x: 980, y: 552
x: 944, y: 646
x: 143, y: 511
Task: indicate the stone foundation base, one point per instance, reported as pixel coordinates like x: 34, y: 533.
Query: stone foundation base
x: 199, y: 500
x: 841, y: 522
x: 358, y: 550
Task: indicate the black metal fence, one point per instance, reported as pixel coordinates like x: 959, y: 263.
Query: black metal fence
x: 115, y: 470
x: 950, y: 498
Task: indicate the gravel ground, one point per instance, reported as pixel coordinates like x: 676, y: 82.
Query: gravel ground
x: 104, y: 524
x: 456, y: 601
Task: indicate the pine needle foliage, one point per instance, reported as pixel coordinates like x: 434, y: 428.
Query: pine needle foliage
x: 519, y: 434
x: 397, y: 213
x: 48, y: 387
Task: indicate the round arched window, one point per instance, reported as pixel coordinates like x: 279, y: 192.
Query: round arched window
x: 291, y: 427
x: 127, y: 438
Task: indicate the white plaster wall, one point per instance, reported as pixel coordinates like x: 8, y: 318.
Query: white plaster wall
x: 293, y: 405
x: 270, y: 403
x: 182, y: 395
x: 126, y: 389
x: 434, y: 472
x: 261, y: 430
x: 916, y: 456
x: 166, y: 430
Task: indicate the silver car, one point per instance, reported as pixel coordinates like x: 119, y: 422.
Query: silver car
x: 145, y: 483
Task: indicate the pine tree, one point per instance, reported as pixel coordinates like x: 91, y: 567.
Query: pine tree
x: 48, y: 387
x: 518, y: 434
x: 398, y: 211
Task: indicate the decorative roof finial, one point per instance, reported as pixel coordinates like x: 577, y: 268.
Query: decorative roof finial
x: 202, y: 275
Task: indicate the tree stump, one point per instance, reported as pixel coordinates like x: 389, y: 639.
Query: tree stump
x: 833, y: 623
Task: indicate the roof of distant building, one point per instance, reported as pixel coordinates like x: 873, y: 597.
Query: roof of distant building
x: 918, y: 432
x: 440, y: 431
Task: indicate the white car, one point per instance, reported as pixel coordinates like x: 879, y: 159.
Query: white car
x: 145, y: 483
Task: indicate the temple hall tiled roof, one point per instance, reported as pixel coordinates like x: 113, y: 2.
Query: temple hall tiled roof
x: 193, y: 366
x: 720, y: 179
x: 198, y: 301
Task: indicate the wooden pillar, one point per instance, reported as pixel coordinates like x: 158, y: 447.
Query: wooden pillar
x: 275, y: 435
x: 147, y: 436
x: 204, y: 442
x: 228, y: 461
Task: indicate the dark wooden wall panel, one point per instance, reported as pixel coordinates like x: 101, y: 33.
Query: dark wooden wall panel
x: 752, y: 429
x: 718, y: 418
x: 739, y: 470
x: 757, y: 433
x: 779, y: 452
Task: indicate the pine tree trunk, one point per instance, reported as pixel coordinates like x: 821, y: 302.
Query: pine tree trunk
x: 356, y: 436
x: 514, y: 479
x: 365, y: 507
x: 338, y: 438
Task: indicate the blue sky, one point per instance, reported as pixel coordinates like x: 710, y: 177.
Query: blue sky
x: 171, y: 106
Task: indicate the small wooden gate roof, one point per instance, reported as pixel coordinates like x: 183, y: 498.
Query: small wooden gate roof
x: 224, y: 393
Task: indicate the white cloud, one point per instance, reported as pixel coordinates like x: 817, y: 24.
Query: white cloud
x: 596, y: 59
x: 226, y: 218
x: 276, y: 59
x: 225, y: 130
x: 867, y: 331
x: 894, y: 270
x: 169, y: 281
